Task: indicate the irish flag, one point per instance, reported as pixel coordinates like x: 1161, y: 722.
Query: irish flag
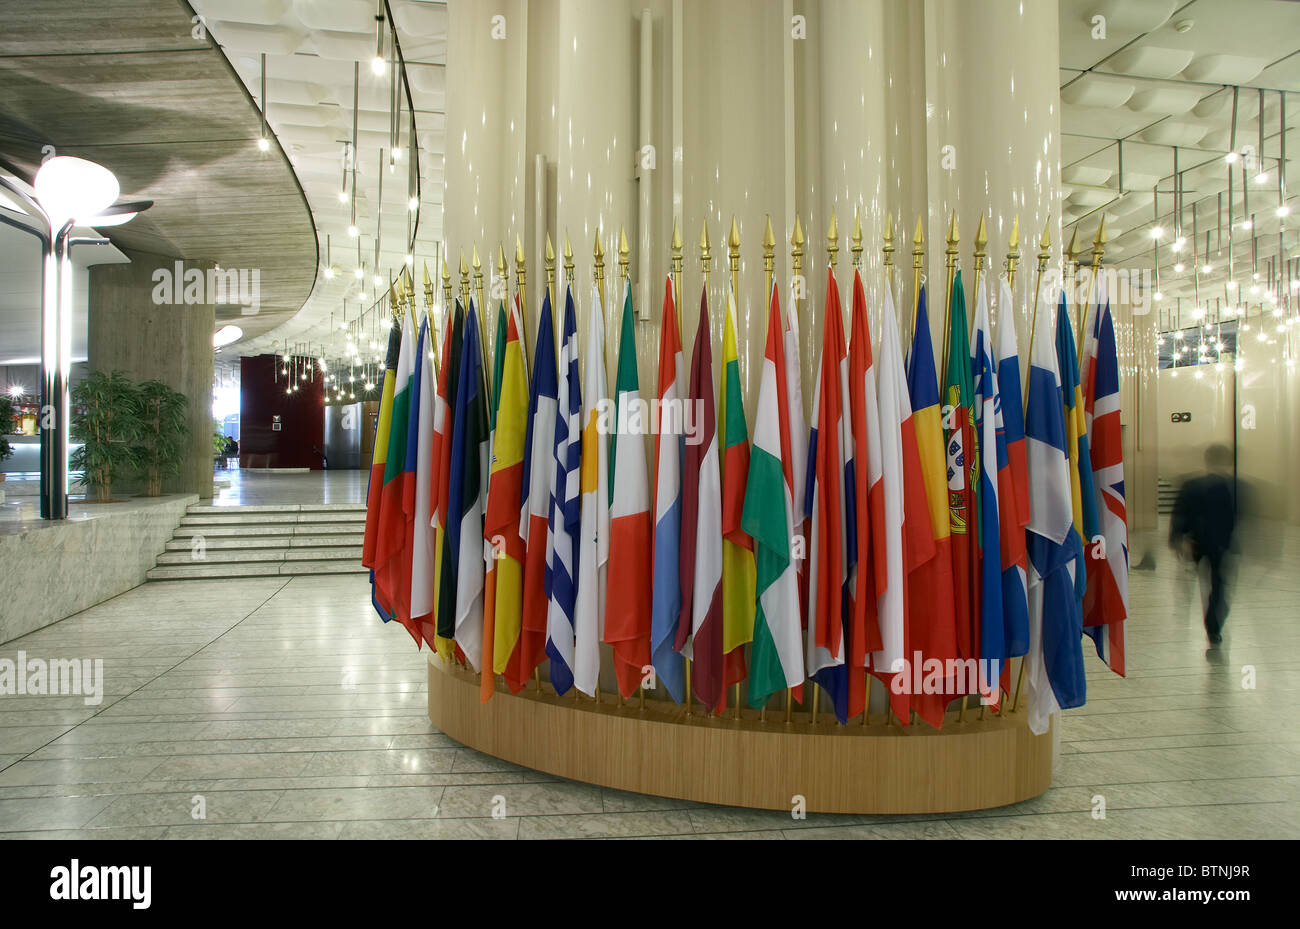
x: 738, y: 574
x: 593, y: 552
x: 670, y: 443
x: 627, y: 621
x: 776, y: 658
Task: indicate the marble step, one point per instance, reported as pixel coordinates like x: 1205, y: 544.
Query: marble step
x: 356, y: 517
x: 237, y: 556
x: 199, y: 509
x: 207, y: 571
x: 340, y: 540
x: 282, y: 529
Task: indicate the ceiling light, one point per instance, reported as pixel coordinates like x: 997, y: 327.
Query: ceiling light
x: 1206, y: 269
x: 1157, y: 232
x: 397, y: 153
x: 67, y: 187
x: 15, y: 390
x: 410, y: 260
x: 1158, y: 295
x: 1261, y: 177
x: 1283, y: 210
x: 343, y: 196
x: 377, y: 64
x: 1230, y: 158
x: 378, y: 280
x: 413, y: 204
x: 1245, y: 224
x: 225, y: 335
x: 360, y: 273
x: 264, y: 144
x: 329, y: 273
x: 353, y: 231
x: 1179, y: 267
x: 1231, y: 285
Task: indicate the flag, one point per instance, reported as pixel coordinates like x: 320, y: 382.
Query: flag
x: 867, y: 543
x: 420, y: 541
x: 444, y: 560
x: 699, y: 630
x: 830, y: 507
x: 776, y: 658
x: 1013, y: 484
x: 934, y: 632
x: 799, y: 460
x: 905, y: 518
x: 627, y: 620
x: 501, y: 520
x: 670, y: 446
x: 1054, y: 663
x: 535, y: 499
x: 390, y: 582
x: 565, y: 522
x: 1105, y: 605
x: 378, y: 468
x: 738, y: 574
x: 593, y: 549
x: 1082, y: 490
x: 963, y: 476
x: 469, y: 467
x: 990, y: 440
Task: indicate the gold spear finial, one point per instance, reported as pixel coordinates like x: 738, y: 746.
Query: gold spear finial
x: 520, y: 269
x: 677, y: 237
x: 1045, y: 244
x: 769, y: 245
x: 624, y: 254
x: 1013, y: 251
x: 501, y: 261
x: 464, y: 278
x: 568, y: 259
x: 1072, y: 250
x: 426, y: 274
x: 981, y: 244
x: 1099, y: 242
x: 550, y: 251
x: 705, y: 253
x: 476, y: 263
x: 888, y: 247
x: 856, y: 238
x: 797, y: 239
x: 446, y: 281
x: 953, y: 239
x: 733, y: 244
x: 833, y: 239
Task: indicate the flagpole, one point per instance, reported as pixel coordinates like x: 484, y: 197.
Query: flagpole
x: 796, y: 279
x: 676, y: 248
x: 856, y: 248
x: 550, y: 271
x: 598, y: 253
x: 769, y: 260
x: 464, y: 281
x: 832, y: 255
x: 625, y: 278
x: 951, y: 263
x: 918, y: 260
x: 521, y: 285
x: 482, y: 316
x: 981, y: 255
x: 1012, y: 260
x: 446, y: 284
x: 1044, y: 256
x: 733, y: 262
x: 1072, y: 263
x: 1098, y: 247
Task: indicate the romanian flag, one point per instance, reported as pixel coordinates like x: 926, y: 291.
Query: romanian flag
x: 535, y: 500
x: 593, y: 551
x: 392, y: 577
x: 963, y: 475
x: 378, y: 467
x: 466, y: 492
x: 627, y: 621
x: 670, y: 445
x: 738, y: 575
x: 934, y: 629
x: 501, y: 523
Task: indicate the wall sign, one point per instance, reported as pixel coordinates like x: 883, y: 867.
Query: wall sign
x: 1180, y: 417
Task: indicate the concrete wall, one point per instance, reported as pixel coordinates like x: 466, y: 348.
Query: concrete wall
x: 171, y: 342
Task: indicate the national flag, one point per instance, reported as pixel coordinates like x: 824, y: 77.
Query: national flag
x: 1105, y: 605
x: 934, y: 629
x: 670, y: 447
x: 1013, y: 483
x: 963, y: 475
x: 830, y: 507
x: 444, y: 560
x: 867, y: 544
x: 593, y: 549
x: 627, y: 623
x: 738, y: 573
x: 392, y: 577
x: 535, y: 500
x: 501, y: 521
x: 378, y: 467
x: 565, y: 524
x: 798, y: 421
x: 469, y: 467
x: 1054, y: 663
x: 905, y: 517
x: 420, y: 541
x: 990, y: 439
x: 776, y: 658
x: 1083, y: 493
x: 699, y: 629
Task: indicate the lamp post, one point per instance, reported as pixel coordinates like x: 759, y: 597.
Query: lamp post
x: 67, y: 192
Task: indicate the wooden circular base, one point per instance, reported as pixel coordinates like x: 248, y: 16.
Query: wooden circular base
x: 661, y: 750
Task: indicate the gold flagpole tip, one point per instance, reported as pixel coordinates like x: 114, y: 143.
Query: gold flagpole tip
x: 857, y: 226
x: 475, y: 262
x: 889, y: 227
x: 919, y: 237
x: 1046, y: 241
x: 568, y: 249
x: 598, y: 250
x: 550, y: 252
x: 1014, y: 241
x: 733, y: 239
x: 623, y: 249
x: 981, y: 236
x: 519, y: 251
x: 797, y: 238
x: 446, y: 272
x: 1073, y: 248
x: 704, y: 236
x: 501, y: 259
x: 464, y: 268
x: 952, y: 229
x: 677, y: 236
x: 426, y: 274
x: 1100, y: 238
x: 769, y: 239
x: 833, y: 233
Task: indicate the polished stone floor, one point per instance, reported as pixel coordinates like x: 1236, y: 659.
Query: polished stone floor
x: 251, y: 487
x: 287, y: 710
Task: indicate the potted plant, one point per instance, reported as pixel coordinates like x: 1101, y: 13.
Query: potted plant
x: 7, y: 427
x: 163, y: 426
x: 105, y: 419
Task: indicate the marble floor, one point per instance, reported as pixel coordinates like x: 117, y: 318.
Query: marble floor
x: 283, y: 708
x: 252, y: 487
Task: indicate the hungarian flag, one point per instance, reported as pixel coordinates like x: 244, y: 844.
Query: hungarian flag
x: 419, y: 518
x: 908, y: 544
x: 1105, y: 605
x: 934, y: 629
x: 627, y: 623
x: 776, y: 659
x: 565, y: 521
x: 699, y: 631
x: 1013, y: 485
x: 535, y: 500
x: 469, y: 469
x: 738, y: 574
x: 1083, y: 491
x: 963, y: 475
x: 867, y: 546
x: 378, y: 468
x: 501, y: 522
x: 991, y: 442
x: 1054, y: 663
x: 670, y: 445
x: 593, y: 549
x: 390, y: 582
x: 444, y: 559
x: 830, y: 507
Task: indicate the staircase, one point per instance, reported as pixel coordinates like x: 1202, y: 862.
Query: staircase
x: 263, y: 541
x: 1165, y: 496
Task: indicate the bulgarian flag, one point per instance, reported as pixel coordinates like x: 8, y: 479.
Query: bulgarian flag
x: 933, y: 628
x: 593, y: 550
x: 963, y: 475
x: 469, y: 468
x: 776, y: 659
x: 444, y: 590
x: 501, y: 523
x: 391, y: 577
x: 535, y: 501
x: 378, y: 467
x: 699, y: 630
x: 670, y: 444
x: 738, y: 572
x: 627, y: 621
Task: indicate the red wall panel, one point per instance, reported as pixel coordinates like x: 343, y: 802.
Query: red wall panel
x: 301, y: 438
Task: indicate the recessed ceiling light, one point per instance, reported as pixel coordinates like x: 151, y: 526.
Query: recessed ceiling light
x: 1184, y: 25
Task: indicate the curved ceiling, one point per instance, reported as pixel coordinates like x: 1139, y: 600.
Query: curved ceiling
x: 134, y: 85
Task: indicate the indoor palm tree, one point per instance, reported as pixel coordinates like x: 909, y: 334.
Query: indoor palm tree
x: 164, y: 415
x: 105, y: 419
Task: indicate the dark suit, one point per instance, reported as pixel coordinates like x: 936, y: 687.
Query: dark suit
x: 1205, y: 514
